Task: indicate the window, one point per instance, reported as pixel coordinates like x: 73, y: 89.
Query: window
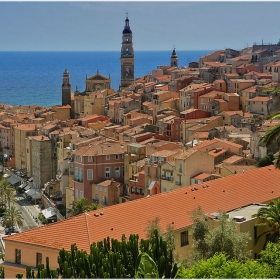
x: 132, y: 190
x: 255, y: 232
x: 81, y: 175
x: 77, y: 193
x: 116, y: 156
x: 38, y: 259
x: 81, y: 194
x: 180, y: 168
x: 105, y: 189
x: 90, y: 159
x: 107, y: 157
x: 142, y: 191
x: 184, y: 238
x: 100, y: 189
x: 96, y: 188
x: 89, y: 174
x: 18, y: 256
x: 96, y: 198
x: 105, y: 200
x: 76, y: 172
x: 117, y: 172
x: 107, y: 172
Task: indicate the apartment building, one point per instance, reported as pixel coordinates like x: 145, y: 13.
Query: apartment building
x: 97, y: 162
x: 21, y: 132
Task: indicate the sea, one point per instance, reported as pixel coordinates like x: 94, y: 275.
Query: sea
x: 35, y: 78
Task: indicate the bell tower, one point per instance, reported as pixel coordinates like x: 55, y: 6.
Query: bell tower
x: 174, y: 59
x: 66, y: 88
x: 127, y: 56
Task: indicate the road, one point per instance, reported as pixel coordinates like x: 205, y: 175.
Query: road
x: 29, y: 213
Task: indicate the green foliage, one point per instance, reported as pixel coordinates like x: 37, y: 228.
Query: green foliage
x: 222, y: 238
x: 81, y: 206
x: 271, y: 215
x: 271, y: 256
x: 219, y: 266
x: 12, y: 217
x: 42, y: 218
x: 2, y: 272
x: 111, y: 258
x: 266, y: 160
x: 145, y: 267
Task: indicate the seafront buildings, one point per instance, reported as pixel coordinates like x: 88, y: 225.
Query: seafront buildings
x: 160, y: 146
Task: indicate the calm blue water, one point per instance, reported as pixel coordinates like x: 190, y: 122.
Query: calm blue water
x: 28, y: 78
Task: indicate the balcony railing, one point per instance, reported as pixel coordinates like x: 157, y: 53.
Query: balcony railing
x: 78, y: 180
x: 168, y: 178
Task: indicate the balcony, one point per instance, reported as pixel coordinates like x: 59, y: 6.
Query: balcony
x: 78, y: 180
x: 168, y: 178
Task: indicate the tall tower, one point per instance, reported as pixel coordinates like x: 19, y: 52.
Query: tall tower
x: 174, y: 59
x: 66, y: 88
x: 127, y: 56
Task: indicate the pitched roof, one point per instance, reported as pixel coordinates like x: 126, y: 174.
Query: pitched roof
x: 224, y: 194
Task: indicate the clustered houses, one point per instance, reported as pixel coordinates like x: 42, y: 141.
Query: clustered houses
x: 165, y: 131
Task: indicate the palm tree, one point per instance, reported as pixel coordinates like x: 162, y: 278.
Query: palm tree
x: 4, y: 185
x: 12, y: 217
x: 271, y: 214
x: 81, y: 205
x: 10, y: 196
x: 272, y: 134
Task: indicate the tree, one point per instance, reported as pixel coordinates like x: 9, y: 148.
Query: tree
x: 222, y: 238
x: 271, y: 257
x: 220, y: 267
x: 266, y: 160
x: 271, y: 214
x: 4, y: 185
x: 10, y: 196
x: 12, y: 217
x: 81, y: 205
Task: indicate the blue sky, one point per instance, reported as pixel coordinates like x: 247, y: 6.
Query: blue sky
x: 93, y: 26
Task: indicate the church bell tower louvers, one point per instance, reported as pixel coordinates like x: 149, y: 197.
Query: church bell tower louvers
x: 127, y: 56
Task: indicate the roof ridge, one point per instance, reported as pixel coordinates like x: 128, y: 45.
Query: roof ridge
x: 88, y: 231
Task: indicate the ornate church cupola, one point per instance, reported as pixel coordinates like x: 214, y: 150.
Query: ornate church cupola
x: 174, y: 59
x: 127, y: 56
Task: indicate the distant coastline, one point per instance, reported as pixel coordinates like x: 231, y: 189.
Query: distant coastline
x: 35, y: 77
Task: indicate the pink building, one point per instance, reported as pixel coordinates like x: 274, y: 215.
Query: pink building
x: 95, y: 163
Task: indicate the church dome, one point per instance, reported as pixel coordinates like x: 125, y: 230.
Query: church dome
x: 174, y: 55
x: 127, y: 29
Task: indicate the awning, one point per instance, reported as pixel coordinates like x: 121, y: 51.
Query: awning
x: 22, y: 185
x: 27, y: 187
x: 36, y: 195
x: 13, y: 180
x: 30, y: 192
x: 48, y: 213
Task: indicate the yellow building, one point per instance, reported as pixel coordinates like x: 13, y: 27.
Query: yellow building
x: 135, y: 152
x: 22, y: 131
x: 236, y: 195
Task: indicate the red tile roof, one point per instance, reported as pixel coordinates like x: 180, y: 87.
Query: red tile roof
x: 224, y: 194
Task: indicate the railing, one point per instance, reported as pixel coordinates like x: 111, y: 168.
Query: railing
x: 168, y: 178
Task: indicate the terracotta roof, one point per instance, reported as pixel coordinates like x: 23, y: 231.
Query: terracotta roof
x: 232, y: 159
x: 224, y: 194
x: 202, y: 176
x: 260, y: 99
